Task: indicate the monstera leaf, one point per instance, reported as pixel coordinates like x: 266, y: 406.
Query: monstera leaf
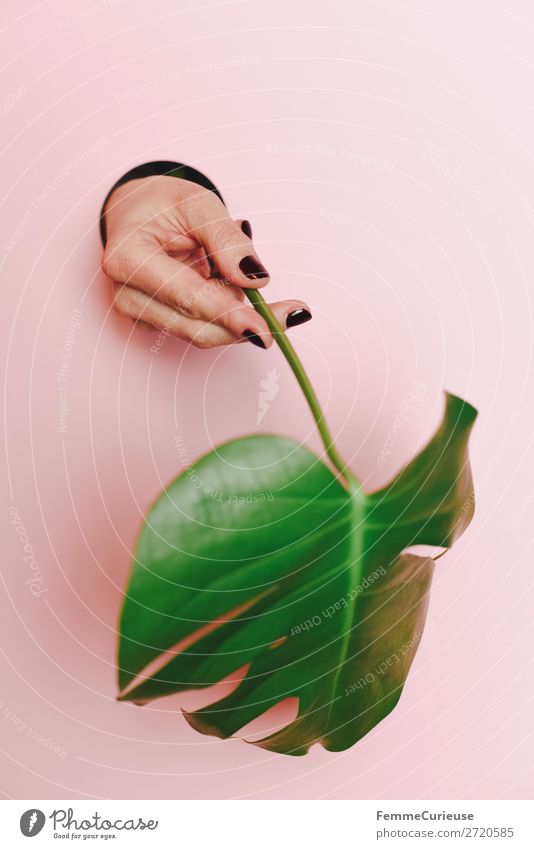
x: 260, y: 556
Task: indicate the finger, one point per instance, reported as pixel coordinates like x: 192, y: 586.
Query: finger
x: 199, y: 262
x: 144, y: 266
x: 245, y: 226
x: 291, y: 313
x: 288, y: 313
x: 148, y: 311
x: 148, y: 314
x: 226, y: 244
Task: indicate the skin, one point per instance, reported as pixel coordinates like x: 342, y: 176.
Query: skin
x: 161, y: 231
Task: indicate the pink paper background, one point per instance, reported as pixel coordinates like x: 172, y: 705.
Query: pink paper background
x: 384, y: 154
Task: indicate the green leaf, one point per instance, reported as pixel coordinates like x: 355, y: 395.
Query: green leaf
x: 259, y: 555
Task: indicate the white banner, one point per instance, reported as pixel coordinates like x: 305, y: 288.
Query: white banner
x: 262, y: 824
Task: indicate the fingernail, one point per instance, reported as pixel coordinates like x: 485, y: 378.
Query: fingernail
x: 254, y: 338
x: 252, y: 268
x: 298, y: 317
x: 246, y: 228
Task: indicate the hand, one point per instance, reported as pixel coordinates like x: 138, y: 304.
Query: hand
x: 179, y: 262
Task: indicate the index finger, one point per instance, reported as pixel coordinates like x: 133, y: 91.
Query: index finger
x: 225, y: 243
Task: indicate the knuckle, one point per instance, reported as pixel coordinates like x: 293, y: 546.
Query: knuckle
x: 185, y: 306
x: 115, y: 263
x: 124, y: 301
x: 199, y: 204
x: 108, y: 264
x: 191, y: 299
x: 192, y: 191
x: 121, y: 308
x: 203, y: 344
x: 202, y: 339
x: 224, y: 236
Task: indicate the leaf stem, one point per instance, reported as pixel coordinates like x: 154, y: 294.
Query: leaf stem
x: 259, y: 303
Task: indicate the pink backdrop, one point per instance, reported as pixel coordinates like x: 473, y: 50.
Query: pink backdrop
x: 384, y: 154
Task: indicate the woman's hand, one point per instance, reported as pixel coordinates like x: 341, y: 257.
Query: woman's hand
x: 179, y: 262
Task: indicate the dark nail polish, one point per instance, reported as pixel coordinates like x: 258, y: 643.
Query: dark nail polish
x: 297, y: 317
x: 254, y: 338
x: 246, y: 228
x: 253, y: 269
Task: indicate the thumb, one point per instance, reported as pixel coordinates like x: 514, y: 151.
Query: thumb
x: 225, y: 243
